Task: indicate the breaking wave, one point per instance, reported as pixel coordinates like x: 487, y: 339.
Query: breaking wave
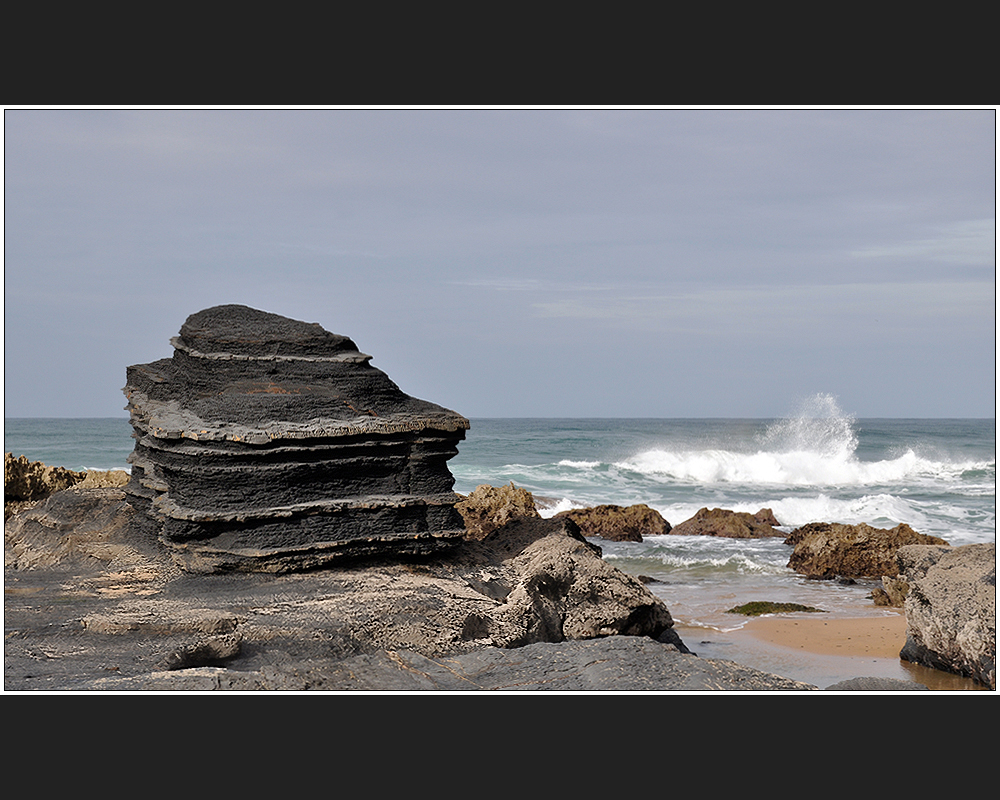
x: 818, y: 447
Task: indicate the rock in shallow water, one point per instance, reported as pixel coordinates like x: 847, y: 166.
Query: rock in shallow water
x: 618, y: 523
x: 731, y: 524
x: 831, y: 549
x: 270, y: 444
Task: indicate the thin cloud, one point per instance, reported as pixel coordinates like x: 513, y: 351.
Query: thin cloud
x: 969, y: 242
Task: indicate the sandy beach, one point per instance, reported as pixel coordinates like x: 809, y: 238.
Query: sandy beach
x: 823, y: 651
x: 877, y: 637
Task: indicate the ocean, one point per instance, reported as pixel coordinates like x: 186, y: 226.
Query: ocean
x: 818, y: 464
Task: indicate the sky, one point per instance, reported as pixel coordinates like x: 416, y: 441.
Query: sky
x: 525, y: 262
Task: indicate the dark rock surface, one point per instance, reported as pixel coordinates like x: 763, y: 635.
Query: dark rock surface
x: 951, y: 609
x: 733, y: 524
x: 614, y: 663
x: 618, y: 523
x: 876, y: 685
x: 269, y: 444
x: 832, y: 549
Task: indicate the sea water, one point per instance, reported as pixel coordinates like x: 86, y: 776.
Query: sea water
x: 818, y: 464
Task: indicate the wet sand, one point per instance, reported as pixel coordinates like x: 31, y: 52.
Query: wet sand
x: 823, y: 651
x: 877, y: 637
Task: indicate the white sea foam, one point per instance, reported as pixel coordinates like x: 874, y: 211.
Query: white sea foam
x: 873, y: 509
x: 579, y: 464
x: 791, y: 468
x: 562, y: 504
x: 816, y: 448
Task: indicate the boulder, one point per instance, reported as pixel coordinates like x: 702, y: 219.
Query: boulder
x: 269, y: 444
x: 832, y: 549
x: 561, y: 588
x: 732, y: 524
x: 618, y: 523
x: 876, y: 684
x: 951, y: 609
x: 490, y: 507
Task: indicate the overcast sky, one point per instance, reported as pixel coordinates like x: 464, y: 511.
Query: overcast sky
x: 556, y: 263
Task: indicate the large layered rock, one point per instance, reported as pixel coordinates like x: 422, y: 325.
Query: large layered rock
x: 836, y: 550
x: 732, y: 524
x: 618, y: 523
x: 269, y: 444
x: 951, y: 609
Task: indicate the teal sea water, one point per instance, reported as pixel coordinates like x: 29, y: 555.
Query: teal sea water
x: 819, y: 464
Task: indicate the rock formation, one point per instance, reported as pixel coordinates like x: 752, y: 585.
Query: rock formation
x: 951, y: 621
x: 269, y: 444
x: 26, y: 482
x: 892, y: 592
x: 618, y: 523
x: 832, y: 549
x: 733, y: 524
x: 490, y: 507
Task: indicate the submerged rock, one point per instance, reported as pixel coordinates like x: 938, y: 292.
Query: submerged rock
x: 951, y: 609
x: 269, y: 444
x: 732, y: 524
x: 618, y: 523
x: 757, y: 608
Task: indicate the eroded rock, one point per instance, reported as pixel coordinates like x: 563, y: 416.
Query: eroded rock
x: 618, y: 523
x: 732, y: 524
x: 27, y: 482
x: 832, y: 549
x: 951, y: 609
x: 490, y: 507
x: 269, y: 444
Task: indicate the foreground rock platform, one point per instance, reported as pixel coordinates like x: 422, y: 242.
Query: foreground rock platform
x: 94, y: 604
x: 269, y: 444
x: 615, y: 663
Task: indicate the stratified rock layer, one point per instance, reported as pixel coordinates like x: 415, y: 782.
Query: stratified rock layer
x: 269, y: 444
